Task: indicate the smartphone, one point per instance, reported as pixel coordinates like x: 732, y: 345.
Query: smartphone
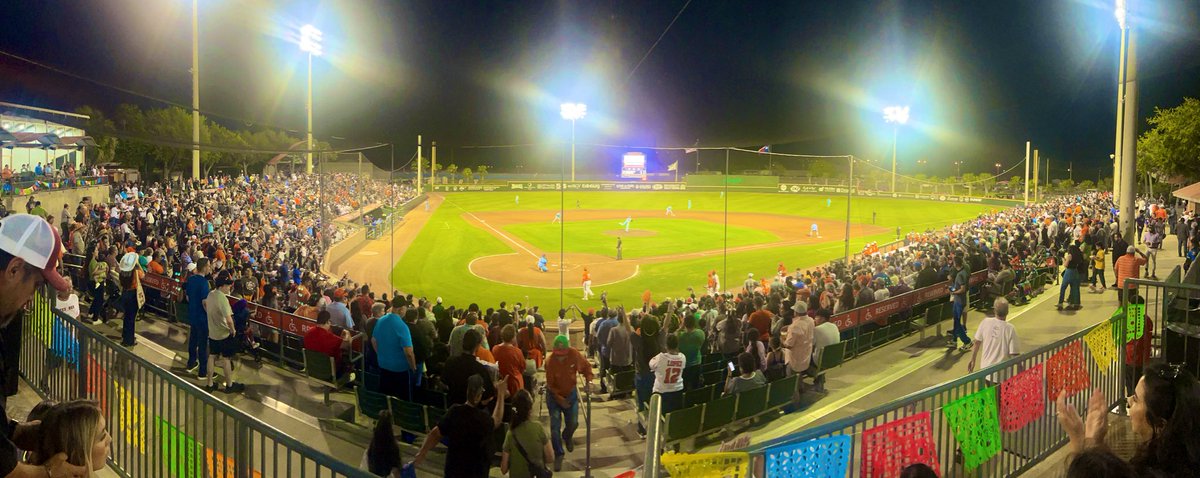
x: 731, y: 367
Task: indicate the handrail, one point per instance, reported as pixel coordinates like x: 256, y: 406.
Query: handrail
x: 842, y: 423
x: 135, y: 392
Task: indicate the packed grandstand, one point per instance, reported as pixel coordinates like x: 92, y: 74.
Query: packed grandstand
x: 261, y: 241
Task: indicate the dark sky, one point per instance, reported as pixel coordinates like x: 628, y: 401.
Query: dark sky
x: 982, y: 77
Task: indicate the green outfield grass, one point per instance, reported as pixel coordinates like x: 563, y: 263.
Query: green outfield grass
x: 436, y: 263
x: 671, y: 236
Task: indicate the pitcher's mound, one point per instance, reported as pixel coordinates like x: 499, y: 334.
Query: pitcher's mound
x: 521, y: 270
x: 631, y: 233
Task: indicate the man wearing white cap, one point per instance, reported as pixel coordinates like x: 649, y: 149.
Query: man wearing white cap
x: 30, y: 251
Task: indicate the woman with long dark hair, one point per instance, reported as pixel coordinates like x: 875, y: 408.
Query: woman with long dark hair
x: 382, y: 457
x: 526, y: 441
x: 1164, y: 412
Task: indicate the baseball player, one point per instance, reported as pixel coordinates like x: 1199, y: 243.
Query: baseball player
x: 587, y: 284
x: 813, y: 231
x: 542, y: 264
x: 628, y: 221
x: 670, y: 212
x: 557, y: 217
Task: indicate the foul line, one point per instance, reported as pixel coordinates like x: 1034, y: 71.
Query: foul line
x: 875, y: 386
x: 489, y: 226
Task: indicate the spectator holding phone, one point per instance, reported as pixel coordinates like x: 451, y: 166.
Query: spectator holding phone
x: 744, y: 376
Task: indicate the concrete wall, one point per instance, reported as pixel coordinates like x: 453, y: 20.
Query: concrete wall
x: 53, y: 200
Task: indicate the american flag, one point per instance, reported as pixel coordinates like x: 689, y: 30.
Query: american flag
x: 765, y: 149
x: 690, y: 150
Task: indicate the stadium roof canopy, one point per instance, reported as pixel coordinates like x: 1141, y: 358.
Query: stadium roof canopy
x: 1190, y: 192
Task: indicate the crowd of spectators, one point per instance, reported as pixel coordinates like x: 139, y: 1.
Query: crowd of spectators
x: 261, y: 239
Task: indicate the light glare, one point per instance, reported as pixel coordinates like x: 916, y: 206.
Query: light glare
x: 310, y: 40
x: 573, y: 111
x: 1120, y: 13
x: 896, y: 114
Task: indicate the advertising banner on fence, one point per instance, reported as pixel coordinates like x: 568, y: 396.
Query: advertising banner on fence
x: 878, y: 312
x: 833, y: 189
x: 289, y: 323
x: 595, y: 186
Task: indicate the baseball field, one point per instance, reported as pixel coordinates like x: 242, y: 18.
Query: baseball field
x: 484, y: 247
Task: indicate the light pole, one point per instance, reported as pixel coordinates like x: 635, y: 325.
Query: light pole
x: 958, y: 168
x: 1127, y: 132
x: 1120, y: 13
x: 195, y: 89
x: 310, y: 42
x: 896, y: 115
x: 573, y: 112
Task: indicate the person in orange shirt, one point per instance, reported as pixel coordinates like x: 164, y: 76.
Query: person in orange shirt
x: 510, y: 359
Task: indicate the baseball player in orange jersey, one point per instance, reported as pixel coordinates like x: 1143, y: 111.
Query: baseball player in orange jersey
x: 587, y: 284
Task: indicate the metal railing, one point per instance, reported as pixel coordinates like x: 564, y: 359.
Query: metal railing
x: 161, y: 424
x: 1173, y: 308
x: 1037, y: 437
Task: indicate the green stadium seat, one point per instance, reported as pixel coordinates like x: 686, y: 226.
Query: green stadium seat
x: 851, y: 348
x: 718, y: 413
x: 320, y: 368
x: 711, y: 366
x: 715, y: 377
x: 881, y: 337
x: 409, y: 416
x: 371, y: 381
x: 780, y: 392
x: 699, y: 396
x: 431, y: 398
x: 292, y: 351
x: 866, y: 341
x: 433, y: 415
x: 832, y: 356
x: 933, y: 314
x: 775, y: 373
x: 683, y: 423
x: 370, y: 403
x: 751, y: 403
x: 621, y: 383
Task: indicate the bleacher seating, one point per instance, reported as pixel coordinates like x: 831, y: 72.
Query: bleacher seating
x: 321, y: 369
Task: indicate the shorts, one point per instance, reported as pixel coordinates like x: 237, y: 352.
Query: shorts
x: 225, y: 347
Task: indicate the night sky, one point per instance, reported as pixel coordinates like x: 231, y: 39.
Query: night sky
x: 981, y: 77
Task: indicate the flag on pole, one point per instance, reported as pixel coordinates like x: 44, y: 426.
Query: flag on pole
x: 673, y: 166
x: 690, y: 150
x: 765, y: 149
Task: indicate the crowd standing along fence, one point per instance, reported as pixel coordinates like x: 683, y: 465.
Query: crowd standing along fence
x: 161, y: 424
x: 997, y: 421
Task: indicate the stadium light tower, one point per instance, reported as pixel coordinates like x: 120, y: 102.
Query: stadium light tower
x: 195, y: 89
x: 573, y: 112
x: 896, y: 115
x: 310, y: 42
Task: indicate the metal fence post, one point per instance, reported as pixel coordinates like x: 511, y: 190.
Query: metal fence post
x: 653, y: 437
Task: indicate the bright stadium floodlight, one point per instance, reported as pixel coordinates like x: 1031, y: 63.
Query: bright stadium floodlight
x: 572, y: 112
x: 896, y: 115
x: 310, y: 42
x: 1120, y: 13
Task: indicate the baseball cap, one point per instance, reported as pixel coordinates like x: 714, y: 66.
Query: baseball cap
x: 561, y: 342
x: 36, y: 242
x: 339, y: 293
